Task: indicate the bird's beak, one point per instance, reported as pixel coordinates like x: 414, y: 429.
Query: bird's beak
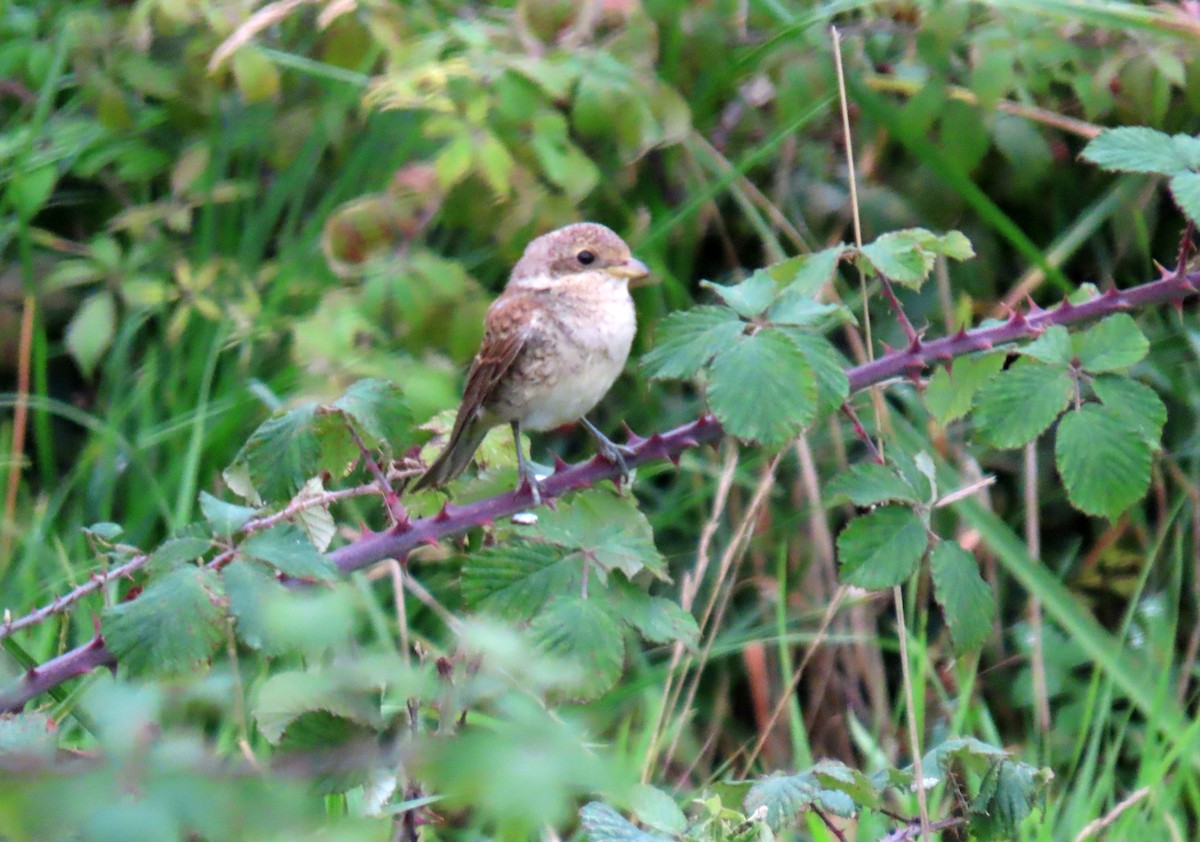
x: 632, y: 269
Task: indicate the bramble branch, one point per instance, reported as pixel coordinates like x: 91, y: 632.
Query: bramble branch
x: 400, y: 540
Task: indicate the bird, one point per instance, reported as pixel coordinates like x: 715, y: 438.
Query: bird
x: 554, y: 341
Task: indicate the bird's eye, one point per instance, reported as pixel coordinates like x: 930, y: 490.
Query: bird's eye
x: 586, y: 258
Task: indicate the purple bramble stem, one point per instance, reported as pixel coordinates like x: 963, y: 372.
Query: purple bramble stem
x: 398, y: 541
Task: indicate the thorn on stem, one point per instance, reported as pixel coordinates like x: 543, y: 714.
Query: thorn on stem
x: 443, y: 514
x: 559, y: 464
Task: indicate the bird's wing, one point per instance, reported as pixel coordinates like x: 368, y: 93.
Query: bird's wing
x: 509, y: 325
x: 507, y: 329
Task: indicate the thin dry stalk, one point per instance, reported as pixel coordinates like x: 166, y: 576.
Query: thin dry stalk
x: 1033, y: 540
x: 715, y: 609
x: 910, y: 703
x: 1112, y: 815
x: 8, y: 526
x: 689, y: 588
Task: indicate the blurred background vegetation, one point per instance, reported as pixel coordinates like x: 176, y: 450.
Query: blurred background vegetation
x: 216, y: 208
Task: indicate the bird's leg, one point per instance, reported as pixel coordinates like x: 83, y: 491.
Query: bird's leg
x: 609, y: 449
x: 526, y: 469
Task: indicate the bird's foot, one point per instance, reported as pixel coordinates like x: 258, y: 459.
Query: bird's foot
x: 615, y: 453
x: 530, y: 479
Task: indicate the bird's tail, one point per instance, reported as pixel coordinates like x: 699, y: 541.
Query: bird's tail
x: 456, y: 455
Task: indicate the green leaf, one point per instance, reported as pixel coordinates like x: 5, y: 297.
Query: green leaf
x: 1115, y: 343
x: 224, y: 518
x: 607, y: 528
x: 378, y: 411
x: 286, y: 696
x: 602, y: 823
x: 1136, y: 403
x: 686, y: 340
x: 1136, y: 149
x: 828, y: 364
x: 951, y: 389
x: 91, y: 331
x: 749, y: 298
x: 657, y: 809
x: 250, y: 588
x: 835, y: 775
x: 1017, y: 405
x: 806, y: 274
x: 176, y: 551
x: 965, y: 598
x: 1052, y: 347
x: 795, y: 308
x: 256, y: 76
x: 882, y: 548
x: 785, y: 797
x: 907, y: 257
x: 286, y: 548
x: 29, y: 736
x: 755, y: 366
x: 1185, y: 187
x: 29, y: 189
x: 868, y: 484
x: 584, y: 634
x: 1008, y: 796
x: 657, y: 619
x: 281, y: 454
x: 515, y: 580
x: 173, y: 626
x: 1104, y: 461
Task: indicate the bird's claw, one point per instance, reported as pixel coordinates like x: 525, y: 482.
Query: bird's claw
x: 616, y: 453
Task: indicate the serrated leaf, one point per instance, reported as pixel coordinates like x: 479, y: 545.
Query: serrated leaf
x: 907, y: 257
x: 30, y: 735
x: 582, y: 633
x: 749, y: 298
x: 1104, y: 461
x: 286, y: 548
x: 1053, y: 347
x: 806, y: 274
x: 966, y: 600
x: 602, y: 823
x: 1012, y: 793
x: 800, y: 310
x: 1136, y: 403
x: 315, y: 521
x: 1135, y: 149
x: 752, y: 367
x: 686, y: 340
x: 607, y: 528
x: 515, y: 580
x: 280, y: 455
x: 1017, y: 405
x: 882, y: 548
x: 828, y: 365
x: 869, y: 483
x: 378, y: 410
x: 176, y: 551
x: 91, y: 331
x: 833, y: 774
x: 658, y: 620
x: 250, y: 587
x: 224, y: 518
x: 1114, y: 343
x: 951, y: 390
x: 1185, y: 187
x: 286, y: 696
x: 785, y: 797
x: 655, y: 808
x: 172, y: 626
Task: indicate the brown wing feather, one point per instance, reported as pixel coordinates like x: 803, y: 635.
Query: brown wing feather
x: 505, y: 334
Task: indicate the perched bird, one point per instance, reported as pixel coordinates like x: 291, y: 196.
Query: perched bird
x: 553, y: 343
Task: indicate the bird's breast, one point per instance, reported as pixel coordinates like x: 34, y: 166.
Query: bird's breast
x: 579, y: 350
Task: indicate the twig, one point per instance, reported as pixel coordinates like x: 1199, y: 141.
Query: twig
x: 400, y: 540
x: 1033, y: 540
x: 914, y: 736
x: 390, y: 499
x: 861, y: 432
x: 20, y: 418
x: 914, y: 829
x: 1092, y: 828
x: 833, y: 828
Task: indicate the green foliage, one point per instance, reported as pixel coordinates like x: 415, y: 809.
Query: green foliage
x: 283, y: 227
x: 883, y: 548
x: 173, y: 626
x: 1144, y: 150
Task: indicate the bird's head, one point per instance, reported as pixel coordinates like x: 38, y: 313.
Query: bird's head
x: 585, y: 247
